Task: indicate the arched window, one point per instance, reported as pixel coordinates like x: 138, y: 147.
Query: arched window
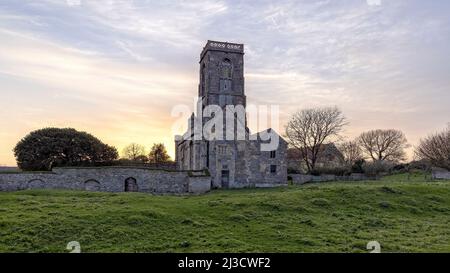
x: 226, y: 69
x: 226, y: 75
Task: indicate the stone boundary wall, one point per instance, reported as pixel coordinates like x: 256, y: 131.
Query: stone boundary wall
x: 300, y: 179
x: 199, y: 184
x: 108, y: 179
x: 270, y: 185
x: 440, y: 174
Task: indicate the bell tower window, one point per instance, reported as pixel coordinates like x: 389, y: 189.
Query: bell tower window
x: 226, y: 71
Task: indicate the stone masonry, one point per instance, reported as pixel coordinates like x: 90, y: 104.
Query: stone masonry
x: 202, y: 163
x: 234, y: 163
x: 438, y: 173
x: 108, y: 179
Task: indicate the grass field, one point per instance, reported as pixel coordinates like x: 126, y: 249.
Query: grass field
x: 404, y: 216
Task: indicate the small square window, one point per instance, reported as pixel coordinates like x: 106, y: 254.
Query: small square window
x: 273, y: 168
x: 273, y: 154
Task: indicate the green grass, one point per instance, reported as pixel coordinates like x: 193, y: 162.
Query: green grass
x: 404, y: 216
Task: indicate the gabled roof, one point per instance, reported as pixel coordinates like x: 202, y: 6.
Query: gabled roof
x: 271, y: 131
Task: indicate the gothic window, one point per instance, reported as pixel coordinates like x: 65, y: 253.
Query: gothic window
x: 226, y: 70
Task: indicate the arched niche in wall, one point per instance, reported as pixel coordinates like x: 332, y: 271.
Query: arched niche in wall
x: 35, y: 184
x: 131, y: 185
x: 92, y: 185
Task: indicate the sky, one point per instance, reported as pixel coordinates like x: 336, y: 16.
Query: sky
x: 117, y: 68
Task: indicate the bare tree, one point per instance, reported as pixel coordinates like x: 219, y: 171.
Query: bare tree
x: 381, y: 145
x: 308, y: 129
x: 436, y: 149
x: 134, y: 151
x: 351, y: 151
x: 158, y: 154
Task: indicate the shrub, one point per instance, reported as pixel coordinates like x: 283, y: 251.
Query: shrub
x: 377, y: 167
x: 357, y: 167
x: 423, y: 165
x: 400, y: 168
x: 339, y: 171
x: 43, y: 149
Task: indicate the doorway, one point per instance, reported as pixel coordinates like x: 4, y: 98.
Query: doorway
x: 225, y: 179
x: 131, y: 185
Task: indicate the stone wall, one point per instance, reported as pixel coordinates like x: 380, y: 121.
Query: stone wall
x: 258, y: 165
x: 300, y: 179
x: 232, y: 163
x: 440, y: 174
x: 199, y: 184
x: 108, y: 179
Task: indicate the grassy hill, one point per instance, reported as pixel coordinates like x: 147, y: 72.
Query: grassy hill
x: 404, y: 216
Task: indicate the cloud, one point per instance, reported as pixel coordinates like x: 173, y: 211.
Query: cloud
x: 117, y: 67
x: 73, y: 2
x: 47, y: 84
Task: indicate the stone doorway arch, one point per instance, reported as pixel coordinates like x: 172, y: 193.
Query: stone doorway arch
x: 131, y: 185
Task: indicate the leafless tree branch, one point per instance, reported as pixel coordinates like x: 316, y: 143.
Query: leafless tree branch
x: 384, y: 145
x: 308, y: 129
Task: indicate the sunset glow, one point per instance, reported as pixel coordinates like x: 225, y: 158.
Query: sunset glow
x: 117, y: 68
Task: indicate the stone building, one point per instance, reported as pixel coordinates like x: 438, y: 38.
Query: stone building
x: 204, y: 161
x: 232, y: 155
x: 109, y: 179
x: 329, y: 157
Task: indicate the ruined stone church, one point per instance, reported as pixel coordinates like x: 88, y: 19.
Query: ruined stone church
x: 241, y: 161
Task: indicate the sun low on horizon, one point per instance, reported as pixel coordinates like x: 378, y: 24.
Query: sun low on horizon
x: 116, y: 69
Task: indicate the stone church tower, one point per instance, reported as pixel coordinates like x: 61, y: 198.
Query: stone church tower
x: 222, y: 74
x: 238, y: 162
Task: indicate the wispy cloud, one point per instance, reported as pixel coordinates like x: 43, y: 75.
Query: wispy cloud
x: 116, y: 67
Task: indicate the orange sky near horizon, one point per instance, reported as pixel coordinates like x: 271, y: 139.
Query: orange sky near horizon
x: 116, y: 69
